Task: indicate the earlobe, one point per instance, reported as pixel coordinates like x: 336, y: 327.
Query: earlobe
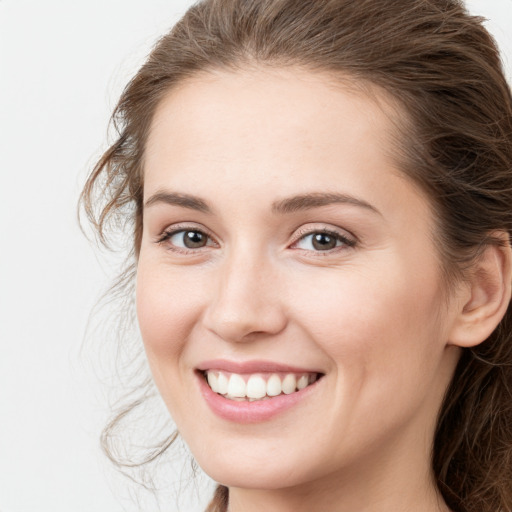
x: 487, y: 298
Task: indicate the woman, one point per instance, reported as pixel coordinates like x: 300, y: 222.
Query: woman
x: 321, y: 196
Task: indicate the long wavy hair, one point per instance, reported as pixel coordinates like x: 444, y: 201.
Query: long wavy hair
x: 442, y: 68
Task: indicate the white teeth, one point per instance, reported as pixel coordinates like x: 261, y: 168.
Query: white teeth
x: 289, y: 384
x: 236, y: 386
x: 256, y: 387
x: 213, y: 381
x: 274, y: 385
x: 302, y: 382
x: 222, y: 383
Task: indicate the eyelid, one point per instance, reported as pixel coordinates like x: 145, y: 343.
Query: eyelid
x: 348, y: 239
x: 341, y: 234
x: 172, y: 230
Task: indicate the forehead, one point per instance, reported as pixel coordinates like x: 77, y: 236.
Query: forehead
x: 280, y: 130
x: 229, y: 110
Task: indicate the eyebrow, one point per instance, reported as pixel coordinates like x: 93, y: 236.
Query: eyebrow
x: 316, y: 200
x: 175, y: 199
x: 283, y: 206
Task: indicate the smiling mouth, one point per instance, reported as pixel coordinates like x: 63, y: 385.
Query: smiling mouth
x: 257, y: 386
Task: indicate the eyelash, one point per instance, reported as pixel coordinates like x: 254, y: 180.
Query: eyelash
x: 168, y: 234
x: 345, y: 241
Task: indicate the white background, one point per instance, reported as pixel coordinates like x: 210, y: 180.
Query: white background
x: 62, y: 66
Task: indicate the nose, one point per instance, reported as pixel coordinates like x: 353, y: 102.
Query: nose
x: 246, y: 301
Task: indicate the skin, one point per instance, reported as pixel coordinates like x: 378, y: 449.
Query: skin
x: 372, y: 316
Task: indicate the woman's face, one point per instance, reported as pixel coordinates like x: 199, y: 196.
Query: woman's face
x: 285, y: 257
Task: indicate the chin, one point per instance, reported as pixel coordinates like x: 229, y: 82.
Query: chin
x: 255, y: 475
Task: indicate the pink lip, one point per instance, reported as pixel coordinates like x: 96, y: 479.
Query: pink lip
x: 251, y: 412
x: 252, y: 367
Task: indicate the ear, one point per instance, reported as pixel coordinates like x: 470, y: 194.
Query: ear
x: 486, y: 296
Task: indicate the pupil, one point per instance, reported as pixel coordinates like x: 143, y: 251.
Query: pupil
x: 194, y: 239
x: 324, y: 242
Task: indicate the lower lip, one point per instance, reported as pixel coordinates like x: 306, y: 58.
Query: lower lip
x: 251, y: 412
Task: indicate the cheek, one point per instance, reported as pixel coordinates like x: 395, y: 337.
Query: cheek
x: 370, y: 323
x: 384, y: 339
x: 167, y: 308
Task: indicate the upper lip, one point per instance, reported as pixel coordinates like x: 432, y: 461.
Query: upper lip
x: 254, y: 366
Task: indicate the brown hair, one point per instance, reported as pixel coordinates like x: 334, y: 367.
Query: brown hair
x: 443, y: 68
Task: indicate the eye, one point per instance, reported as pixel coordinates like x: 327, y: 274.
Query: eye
x: 186, y: 239
x: 189, y: 239
x: 323, y: 241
